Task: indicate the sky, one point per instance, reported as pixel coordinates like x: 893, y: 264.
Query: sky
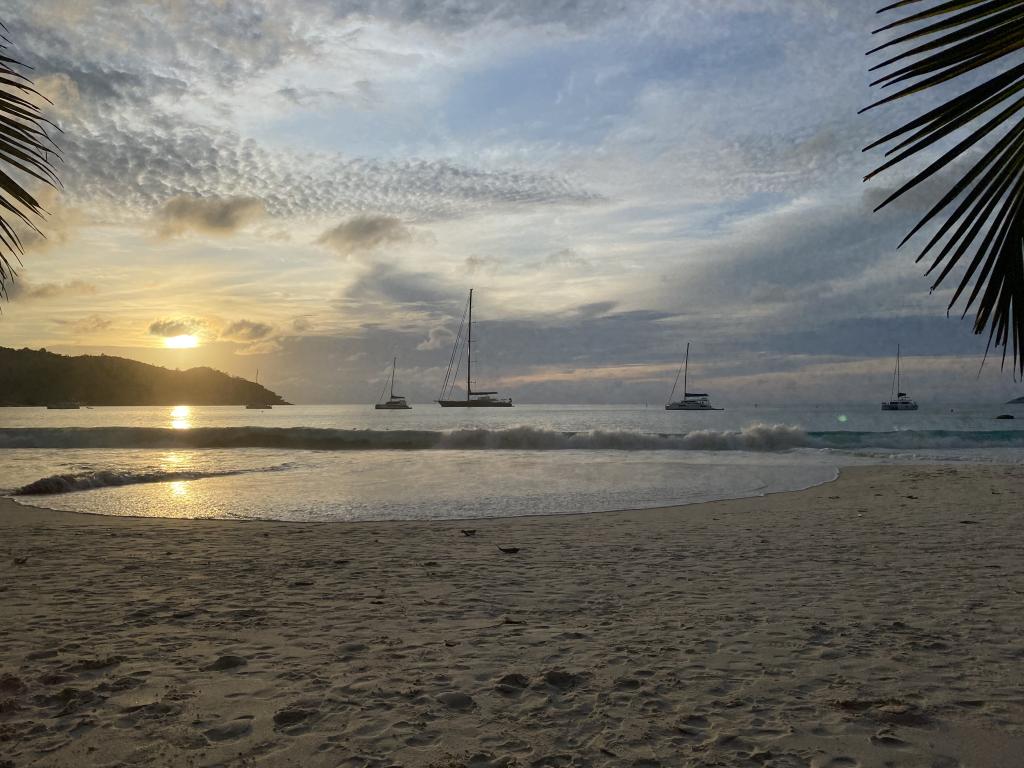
x: 310, y: 188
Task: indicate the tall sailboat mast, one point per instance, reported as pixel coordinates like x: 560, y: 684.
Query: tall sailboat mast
x: 473, y: 399
x: 898, y: 399
x: 394, y: 365
x: 469, y: 348
x: 686, y: 370
x: 690, y: 401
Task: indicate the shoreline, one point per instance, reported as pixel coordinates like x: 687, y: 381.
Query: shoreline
x: 5, y: 501
x: 868, y: 620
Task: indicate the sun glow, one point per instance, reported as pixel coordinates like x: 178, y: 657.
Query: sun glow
x: 185, y: 341
x: 181, y: 417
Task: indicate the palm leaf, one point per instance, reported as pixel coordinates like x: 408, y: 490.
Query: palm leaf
x: 982, y: 215
x: 26, y: 152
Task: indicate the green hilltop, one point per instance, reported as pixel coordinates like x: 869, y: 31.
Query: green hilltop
x: 32, y: 377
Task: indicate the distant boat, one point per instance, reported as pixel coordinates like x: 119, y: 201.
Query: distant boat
x: 63, y: 406
x: 258, y: 406
x: 395, y: 402
x: 900, y: 402
x: 692, y: 401
x: 472, y: 399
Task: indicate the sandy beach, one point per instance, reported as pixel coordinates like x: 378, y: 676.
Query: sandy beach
x: 874, y: 621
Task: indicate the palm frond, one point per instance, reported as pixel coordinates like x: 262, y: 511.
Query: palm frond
x: 982, y: 215
x: 27, y: 152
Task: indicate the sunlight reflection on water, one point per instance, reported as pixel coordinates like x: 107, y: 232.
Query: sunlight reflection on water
x: 181, y: 417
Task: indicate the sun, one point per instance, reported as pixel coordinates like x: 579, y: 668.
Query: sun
x: 185, y: 341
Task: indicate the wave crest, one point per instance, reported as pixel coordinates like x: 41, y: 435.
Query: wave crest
x: 109, y: 478
x: 756, y: 437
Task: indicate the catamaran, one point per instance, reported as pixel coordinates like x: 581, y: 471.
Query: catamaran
x: 900, y: 402
x: 473, y: 399
x: 394, y: 402
x: 256, y: 405
x: 692, y: 401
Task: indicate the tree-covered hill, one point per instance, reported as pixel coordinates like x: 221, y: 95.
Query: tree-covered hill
x: 38, y: 377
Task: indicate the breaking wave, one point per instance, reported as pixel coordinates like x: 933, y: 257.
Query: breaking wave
x: 109, y: 478
x: 757, y: 437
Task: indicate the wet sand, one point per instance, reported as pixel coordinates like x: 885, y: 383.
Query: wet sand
x: 874, y: 621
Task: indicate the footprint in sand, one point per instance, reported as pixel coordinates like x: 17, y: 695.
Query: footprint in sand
x: 693, y: 728
x: 842, y: 761
x: 458, y: 701
x: 295, y: 717
x: 562, y: 680
x: 884, y: 739
x: 512, y: 684
x: 235, y: 729
x: 225, y: 663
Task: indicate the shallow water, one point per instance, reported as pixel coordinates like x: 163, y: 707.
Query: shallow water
x: 354, y: 463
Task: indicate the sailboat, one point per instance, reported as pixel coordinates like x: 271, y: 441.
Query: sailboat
x: 473, y: 399
x: 900, y: 402
x: 258, y: 406
x: 394, y: 402
x: 692, y: 401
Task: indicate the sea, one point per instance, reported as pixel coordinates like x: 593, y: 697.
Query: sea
x: 352, y: 463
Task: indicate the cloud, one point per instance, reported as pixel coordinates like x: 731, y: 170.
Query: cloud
x: 216, y: 216
x: 266, y: 347
x: 596, y: 309
x: 387, y: 283
x: 363, y: 233
x: 360, y: 95
x: 171, y: 156
x: 89, y: 324
x: 438, y: 338
x: 186, y: 326
x: 301, y: 324
x: 60, y: 90
x: 475, y: 264
x: 567, y: 257
x: 246, y: 330
x: 57, y: 226
x: 23, y: 290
